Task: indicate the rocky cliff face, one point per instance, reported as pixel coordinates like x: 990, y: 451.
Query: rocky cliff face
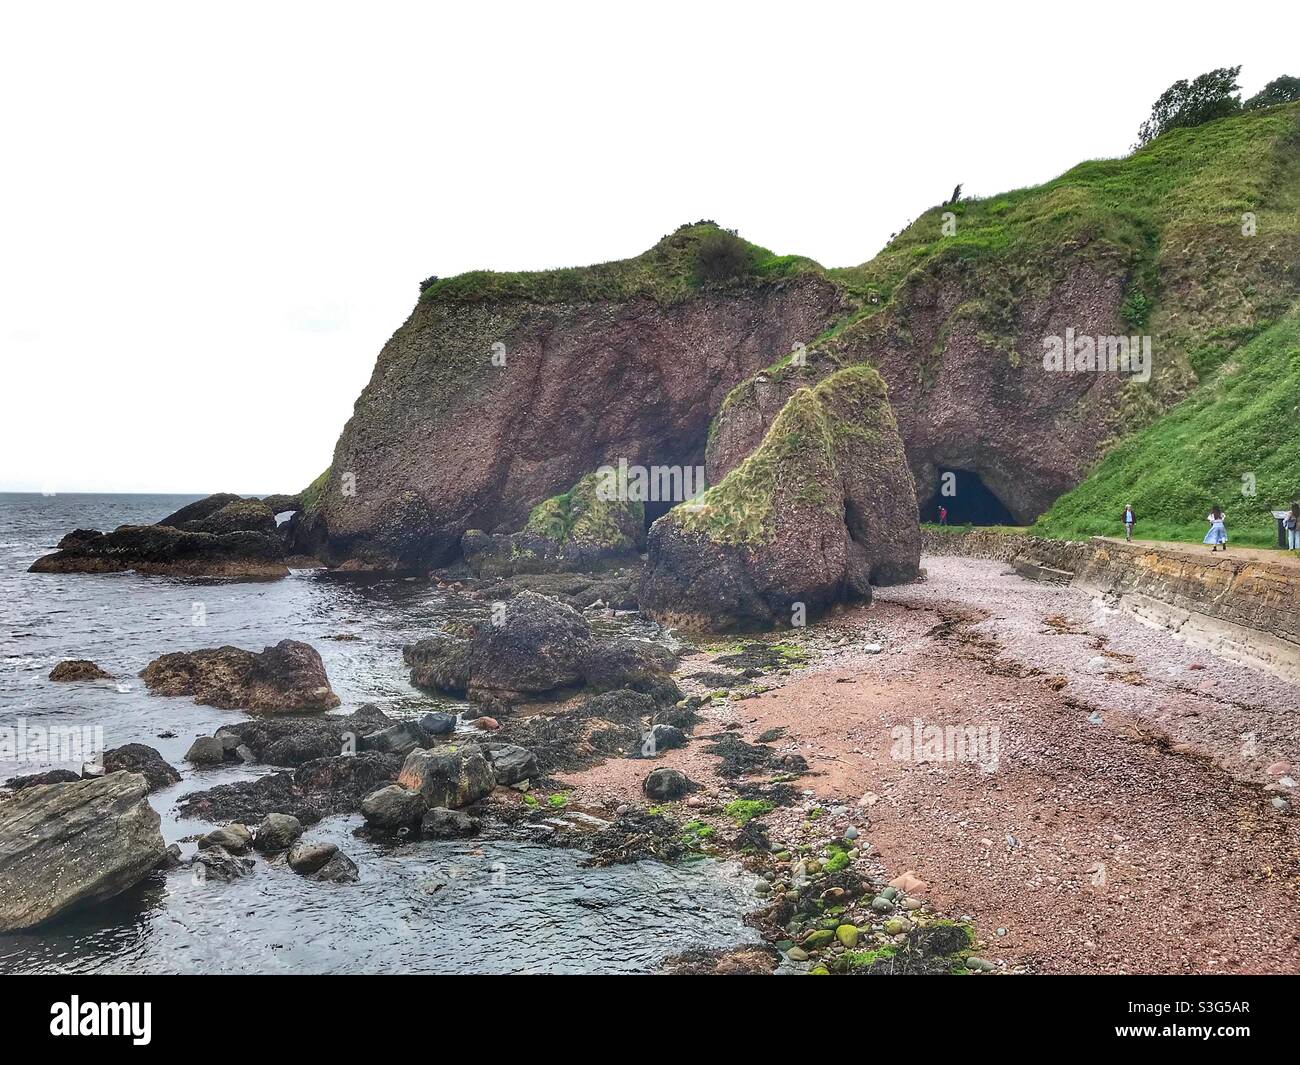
x: 968, y: 386
x: 480, y: 409
x: 503, y: 390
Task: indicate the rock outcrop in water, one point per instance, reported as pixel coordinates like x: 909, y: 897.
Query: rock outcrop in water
x: 78, y: 670
x: 74, y: 844
x: 287, y: 678
x: 220, y: 536
x: 823, y: 508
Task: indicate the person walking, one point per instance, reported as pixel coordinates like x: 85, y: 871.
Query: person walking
x: 1128, y: 522
x: 1218, y: 535
x: 1292, y: 525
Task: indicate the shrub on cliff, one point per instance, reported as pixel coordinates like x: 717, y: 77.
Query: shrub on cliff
x: 722, y: 256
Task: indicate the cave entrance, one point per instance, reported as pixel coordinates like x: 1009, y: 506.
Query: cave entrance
x: 968, y: 499
x: 661, y: 487
x: 656, y: 509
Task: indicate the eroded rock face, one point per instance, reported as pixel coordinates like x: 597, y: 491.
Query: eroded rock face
x: 443, y: 440
x: 821, y: 509
x: 287, y: 678
x: 74, y: 844
x: 969, y: 392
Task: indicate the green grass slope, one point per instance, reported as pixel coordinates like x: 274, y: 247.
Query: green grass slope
x: 1240, y: 430
x: 667, y: 273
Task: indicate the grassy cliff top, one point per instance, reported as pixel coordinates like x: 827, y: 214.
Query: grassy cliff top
x: 668, y: 272
x: 1207, y: 175
x: 1238, y: 433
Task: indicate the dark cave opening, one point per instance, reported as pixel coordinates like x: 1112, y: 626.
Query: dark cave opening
x: 657, y: 508
x: 968, y: 500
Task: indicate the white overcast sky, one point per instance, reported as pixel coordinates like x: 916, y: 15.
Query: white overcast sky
x: 213, y: 215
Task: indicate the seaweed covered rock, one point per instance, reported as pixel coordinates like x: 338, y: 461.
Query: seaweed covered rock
x: 142, y: 759
x: 292, y: 741
x: 586, y: 528
x: 167, y: 551
x: 824, y: 507
x: 315, y: 789
x: 219, y: 536
x: 77, y: 670
x: 287, y: 678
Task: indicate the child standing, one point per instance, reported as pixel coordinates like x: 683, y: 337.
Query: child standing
x: 1218, y: 534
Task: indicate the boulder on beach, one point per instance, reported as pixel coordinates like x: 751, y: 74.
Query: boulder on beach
x: 824, y: 507
x: 78, y: 669
x: 235, y: 838
x: 74, y: 844
x: 307, y: 857
x: 533, y: 647
x: 217, y: 863
x: 401, y: 738
x: 392, y: 808
x: 142, y: 759
x: 448, y: 776
x: 664, y: 785
x: 277, y: 833
x: 441, y: 823
x: 50, y: 776
x: 206, y: 750
x: 533, y: 644
x: 511, y: 763
x: 287, y: 678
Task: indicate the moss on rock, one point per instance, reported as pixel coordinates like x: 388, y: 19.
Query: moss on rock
x: 582, y: 516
